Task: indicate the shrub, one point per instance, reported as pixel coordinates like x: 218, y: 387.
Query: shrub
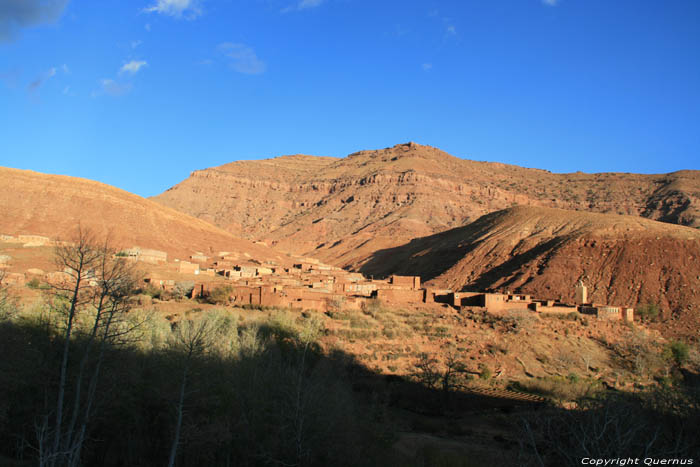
x: 372, y: 307
x: 34, y: 284
x: 220, y: 295
x: 659, y: 424
x: 152, y: 291
x: 358, y: 322
x: 485, y: 373
x: 648, y: 311
x: 677, y: 351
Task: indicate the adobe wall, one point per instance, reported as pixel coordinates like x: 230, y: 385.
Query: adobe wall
x: 309, y: 304
x: 185, y: 267
x: 400, y: 295
x: 564, y: 310
x: 412, y: 282
x: 494, y: 301
x: 467, y: 299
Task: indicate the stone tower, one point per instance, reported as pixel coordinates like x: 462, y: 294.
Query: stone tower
x: 581, y: 293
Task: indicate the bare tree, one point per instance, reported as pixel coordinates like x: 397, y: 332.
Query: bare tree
x: 191, y: 339
x: 4, y: 301
x: 427, y: 371
x: 97, y: 285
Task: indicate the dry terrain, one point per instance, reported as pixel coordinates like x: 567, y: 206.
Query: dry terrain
x: 624, y: 260
x: 343, y: 210
x: 32, y: 203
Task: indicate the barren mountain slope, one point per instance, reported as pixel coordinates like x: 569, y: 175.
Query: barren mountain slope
x: 342, y: 210
x: 624, y: 260
x: 53, y: 205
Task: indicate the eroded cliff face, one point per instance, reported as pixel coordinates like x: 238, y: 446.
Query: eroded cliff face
x: 343, y: 210
x: 624, y: 260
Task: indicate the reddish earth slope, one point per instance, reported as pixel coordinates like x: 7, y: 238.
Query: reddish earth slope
x: 53, y: 205
x: 544, y: 252
x: 343, y: 210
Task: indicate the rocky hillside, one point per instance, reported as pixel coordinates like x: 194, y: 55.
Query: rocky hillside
x: 344, y: 210
x: 54, y: 205
x: 624, y: 260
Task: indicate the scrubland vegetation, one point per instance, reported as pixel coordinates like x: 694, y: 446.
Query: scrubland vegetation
x: 210, y: 389
x: 92, y: 377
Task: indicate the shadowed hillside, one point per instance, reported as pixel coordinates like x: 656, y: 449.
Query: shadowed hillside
x: 624, y: 260
x: 343, y: 210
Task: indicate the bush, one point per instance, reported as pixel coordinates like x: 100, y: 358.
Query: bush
x: 648, y: 311
x: 36, y: 284
x: 372, y: 307
x: 152, y: 291
x: 677, y: 351
x: 659, y: 424
x: 220, y: 295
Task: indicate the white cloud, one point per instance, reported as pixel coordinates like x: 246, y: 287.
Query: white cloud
x: 190, y: 9
x: 17, y: 14
x: 303, y: 5
x: 133, y: 66
x: 65, y: 68
x: 112, y: 88
x: 451, y: 30
x: 243, y: 58
x: 427, y: 66
x: 309, y: 4
x: 135, y: 44
x: 550, y: 2
x: 36, y: 84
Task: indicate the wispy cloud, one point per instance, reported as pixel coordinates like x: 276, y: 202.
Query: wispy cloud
x: 242, y: 58
x: 135, y: 44
x: 17, y: 14
x: 147, y: 27
x: 309, y: 4
x: 448, y: 24
x: 37, y: 83
x: 427, y: 66
x: 550, y: 2
x: 303, y: 5
x: 133, y: 67
x: 112, y: 88
x: 189, y: 9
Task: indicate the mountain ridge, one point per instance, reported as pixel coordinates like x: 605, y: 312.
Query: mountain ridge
x: 341, y: 210
x: 54, y: 206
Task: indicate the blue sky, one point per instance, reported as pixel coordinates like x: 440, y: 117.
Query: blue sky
x: 139, y: 93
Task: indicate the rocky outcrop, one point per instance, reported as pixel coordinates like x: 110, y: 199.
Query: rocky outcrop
x: 344, y: 210
x: 624, y: 260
